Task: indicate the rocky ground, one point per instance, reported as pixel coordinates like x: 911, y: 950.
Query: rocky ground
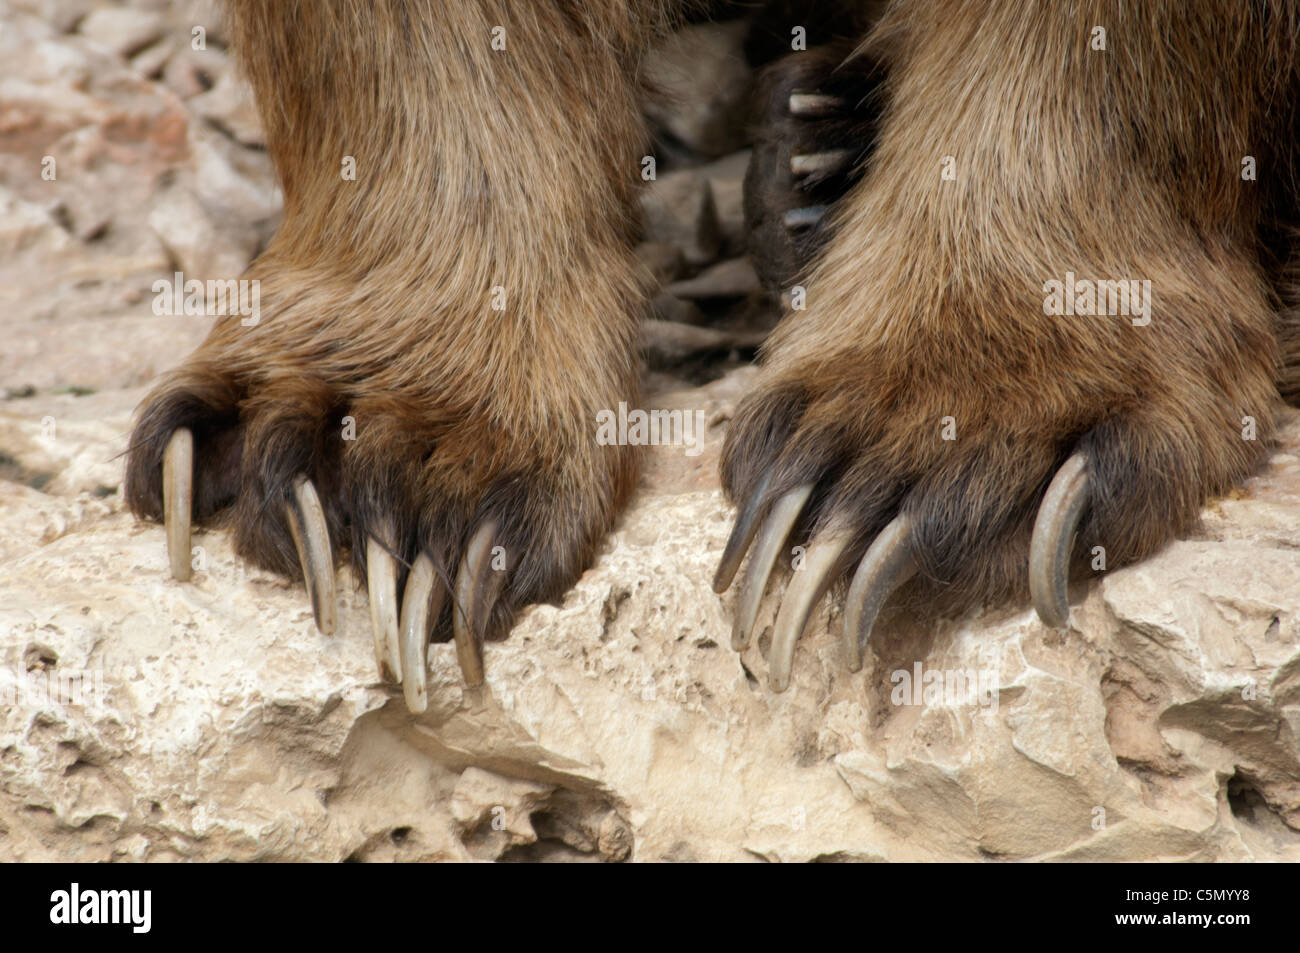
x: 142, y: 719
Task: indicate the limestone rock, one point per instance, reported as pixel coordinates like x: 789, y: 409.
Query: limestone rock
x: 214, y: 722
x: 191, y: 72
x: 668, y: 308
x: 662, y: 259
x: 195, y: 242
x: 734, y: 278
x: 96, y: 162
x: 124, y: 31
x: 229, y: 104
x: 727, y: 181
x: 670, y: 344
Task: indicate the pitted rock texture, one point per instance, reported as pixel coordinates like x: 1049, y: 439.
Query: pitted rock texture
x: 216, y: 723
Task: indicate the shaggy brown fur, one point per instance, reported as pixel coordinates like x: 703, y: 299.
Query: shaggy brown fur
x: 478, y: 168
x: 928, y: 302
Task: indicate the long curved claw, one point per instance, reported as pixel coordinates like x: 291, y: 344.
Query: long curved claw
x: 780, y: 520
x: 417, y: 607
x: 815, y: 105
x: 178, y: 500
x: 477, y: 585
x: 381, y: 583
x: 742, y: 534
x: 820, y: 163
x: 798, y: 219
x: 889, y: 562
x: 312, y: 538
x: 1049, y: 550
x: 805, y: 590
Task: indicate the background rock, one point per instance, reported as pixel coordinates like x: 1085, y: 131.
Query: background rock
x: 701, y: 83
x: 679, y: 211
x: 108, y: 182
x: 122, y: 30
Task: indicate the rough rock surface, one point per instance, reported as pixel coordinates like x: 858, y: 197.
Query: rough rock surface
x: 142, y: 719
x: 110, y: 181
x: 620, y: 724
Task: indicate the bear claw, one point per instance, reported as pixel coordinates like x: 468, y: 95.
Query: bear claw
x: 477, y: 587
x: 416, y: 612
x: 798, y: 219
x: 776, y: 527
x: 821, y: 562
x: 311, y: 537
x: 381, y: 584
x: 178, y: 500
x: 889, y: 562
x: 820, y: 163
x: 1058, y: 518
x: 815, y: 105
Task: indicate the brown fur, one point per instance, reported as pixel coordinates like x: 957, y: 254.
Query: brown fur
x: 475, y: 168
x: 928, y: 301
x: 479, y: 168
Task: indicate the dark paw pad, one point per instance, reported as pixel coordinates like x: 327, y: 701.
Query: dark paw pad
x: 815, y: 124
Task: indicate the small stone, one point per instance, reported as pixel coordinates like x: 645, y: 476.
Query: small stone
x: 727, y: 180
x: 229, y: 104
x: 122, y: 30
x: 614, y: 839
x: 664, y: 261
x: 63, y: 15
x: 735, y: 278
x: 83, y: 215
x: 667, y: 344
x: 679, y: 211
x: 151, y: 61
x: 26, y: 225
x: 667, y: 307
x: 200, y: 249
x: 192, y: 72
